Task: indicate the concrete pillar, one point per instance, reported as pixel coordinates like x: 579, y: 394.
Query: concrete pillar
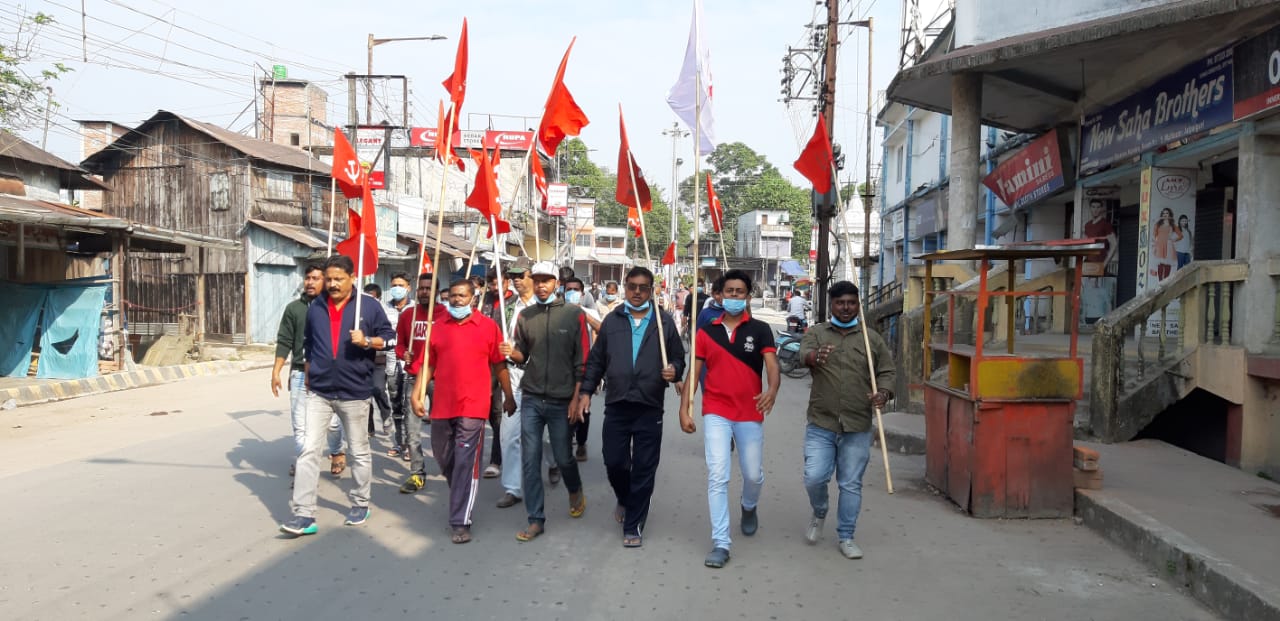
x: 966, y: 152
x: 1257, y: 229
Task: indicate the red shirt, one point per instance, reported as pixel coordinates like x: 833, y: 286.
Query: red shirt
x: 335, y: 324
x: 468, y: 349
x: 734, y: 362
x: 413, y: 322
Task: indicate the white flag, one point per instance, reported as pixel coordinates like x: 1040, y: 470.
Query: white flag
x: 690, y: 96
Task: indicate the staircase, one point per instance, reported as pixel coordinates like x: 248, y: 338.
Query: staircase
x: 1155, y: 349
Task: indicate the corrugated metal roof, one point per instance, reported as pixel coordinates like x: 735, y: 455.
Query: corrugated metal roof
x: 300, y: 234
x: 19, y: 149
x: 31, y: 211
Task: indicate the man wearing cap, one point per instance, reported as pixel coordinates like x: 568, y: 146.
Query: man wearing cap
x: 551, y: 341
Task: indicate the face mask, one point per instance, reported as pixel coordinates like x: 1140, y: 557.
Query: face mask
x: 840, y: 324
x: 572, y: 297
x: 398, y: 293
x: 459, y: 312
x: 734, y: 307
x: 551, y: 298
x: 609, y: 297
x: 642, y: 307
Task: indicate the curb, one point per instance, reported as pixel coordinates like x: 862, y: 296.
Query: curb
x: 901, y: 441
x: 143, y: 376
x: 1217, y: 583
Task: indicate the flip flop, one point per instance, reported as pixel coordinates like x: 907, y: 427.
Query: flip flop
x: 632, y: 541
x: 337, y: 464
x: 461, y: 534
x: 530, y: 532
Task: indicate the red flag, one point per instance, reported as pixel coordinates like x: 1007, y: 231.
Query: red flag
x: 503, y: 227
x: 669, y: 258
x: 456, y: 83
x: 717, y: 212
x: 627, y: 170
x: 539, y: 178
x: 365, y: 226
x: 443, y: 144
x: 484, y: 197
x: 425, y: 268
x: 633, y: 221
x: 561, y: 117
x: 347, y: 171
x: 816, y: 160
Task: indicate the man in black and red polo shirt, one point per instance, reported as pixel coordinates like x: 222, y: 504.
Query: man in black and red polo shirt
x: 411, y: 340
x: 340, y: 339
x: 734, y: 349
x: 463, y: 356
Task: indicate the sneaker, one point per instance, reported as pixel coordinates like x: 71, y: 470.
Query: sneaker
x: 357, y: 516
x: 850, y: 549
x: 750, y: 521
x: 508, y: 500
x: 717, y: 558
x: 815, y: 529
x: 553, y: 475
x: 581, y: 455
x: 299, y: 526
x: 493, y: 471
x: 412, y: 484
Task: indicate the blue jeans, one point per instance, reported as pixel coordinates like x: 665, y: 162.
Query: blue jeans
x: 298, y: 408
x: 538, y: 413
x: 845, y: 454
x: 718, y: 433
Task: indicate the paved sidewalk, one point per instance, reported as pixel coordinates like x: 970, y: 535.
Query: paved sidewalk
x: 30, y: 390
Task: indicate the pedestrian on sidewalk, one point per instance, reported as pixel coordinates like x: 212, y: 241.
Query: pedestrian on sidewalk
x: 339, y: 346
x: 573, y: 294
x: 289, y: 339
x: 550, y: 340
x: 837, y: 436
x: 628, y: 357
x: 411, y: 341
x: 463, y: 357
x: 735, y: 349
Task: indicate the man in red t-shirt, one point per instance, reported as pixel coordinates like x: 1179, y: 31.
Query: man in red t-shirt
x: 411, y: 340
x: 463, y: 353
x: 734, y: 349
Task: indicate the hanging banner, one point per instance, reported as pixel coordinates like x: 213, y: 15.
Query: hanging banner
x: 557, y: 199
x: 1257, y: 74
x: 1031, y: 173
x: 1165, y: 239
x: 369, y: 148
x: 1194, y: 99
x: 474, y: 139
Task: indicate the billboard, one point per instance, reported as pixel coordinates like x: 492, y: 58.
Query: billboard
x: 1033, y: 172
x: 1257, y: 74
x: 557, y: 199
x: 1166, y: 241
x: 474, y: 139
x: 369, y: 148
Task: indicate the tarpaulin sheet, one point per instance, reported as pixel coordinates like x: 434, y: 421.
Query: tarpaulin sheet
x: 69, y: 331
x: 18, y: 315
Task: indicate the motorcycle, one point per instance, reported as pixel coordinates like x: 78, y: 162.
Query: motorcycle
x: 788, y: 344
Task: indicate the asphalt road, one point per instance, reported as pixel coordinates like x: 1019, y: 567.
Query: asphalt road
x: 162, y: 503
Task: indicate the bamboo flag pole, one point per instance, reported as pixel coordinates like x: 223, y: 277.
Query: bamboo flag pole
x: 421, y: 387
x: 333, y: 208
x: 866, y: 344
x: 360, y: 271
x: 497, y: 267
x: 697, y: 224
x: 644, y: 238
x: 515, y: 194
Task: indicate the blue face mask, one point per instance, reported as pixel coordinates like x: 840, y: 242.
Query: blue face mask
x: 840, y: 324
x: 734, y: 307
x: 398, y: 293
x: 459, y: 312
x: 573, y: 297
x: 642, y: 307
x: 609, y: 297
x: 551, y: 298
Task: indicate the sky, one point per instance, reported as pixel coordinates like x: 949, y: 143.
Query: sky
x: 202, y: 59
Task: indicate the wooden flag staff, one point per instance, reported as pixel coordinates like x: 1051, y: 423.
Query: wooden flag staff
x: 421, y: 387
x: 644, y: 238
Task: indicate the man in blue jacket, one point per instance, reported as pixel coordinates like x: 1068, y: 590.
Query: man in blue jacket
x: 627, y: 354
x: 340, y: 348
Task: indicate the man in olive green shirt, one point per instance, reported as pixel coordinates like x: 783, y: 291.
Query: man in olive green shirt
x: 837, y: 436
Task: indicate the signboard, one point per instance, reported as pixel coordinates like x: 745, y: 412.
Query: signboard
x: 1166, y: 209
x: 895, y: 228
x: 368, y: 143
x: 1031, y: 173
x: 813, y: 255
x: 1257, y: 74
x: 1194, y: 99
x: 474, y: 139
x: 557, y: 199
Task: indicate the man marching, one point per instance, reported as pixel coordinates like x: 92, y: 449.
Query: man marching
x: 837, y: 437
x: 627, y: 355
x: 463, y: 356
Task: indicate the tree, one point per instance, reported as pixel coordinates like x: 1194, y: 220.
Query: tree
x: 23, y: 91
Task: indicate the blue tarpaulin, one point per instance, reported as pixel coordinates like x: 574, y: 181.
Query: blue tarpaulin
x: 70, y: 319
x: 792, y: 268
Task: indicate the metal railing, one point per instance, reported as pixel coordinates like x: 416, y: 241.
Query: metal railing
x: 1148, y: 336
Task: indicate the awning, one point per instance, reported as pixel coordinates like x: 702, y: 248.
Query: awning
x: 1036, y: 80
x: 48, y: 213
x: 792, y: 268
x: 611, y: 259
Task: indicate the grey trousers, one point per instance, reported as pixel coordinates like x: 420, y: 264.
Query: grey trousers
x: 458, y: 444
x: 354, y: 416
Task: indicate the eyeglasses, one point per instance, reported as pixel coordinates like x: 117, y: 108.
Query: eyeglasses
x: 639, y: 288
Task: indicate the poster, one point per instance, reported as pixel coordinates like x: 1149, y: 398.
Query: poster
x: 1098, y: 296
x: 1165, y: 236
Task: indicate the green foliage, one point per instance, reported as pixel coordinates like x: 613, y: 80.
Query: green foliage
x: 23, y: 89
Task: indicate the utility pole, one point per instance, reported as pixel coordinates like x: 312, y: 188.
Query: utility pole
x: 676, y: 134
x: 868, y: 190
x: 824, y: 206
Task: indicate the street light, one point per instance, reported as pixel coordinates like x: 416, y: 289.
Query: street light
x: 368, y: 90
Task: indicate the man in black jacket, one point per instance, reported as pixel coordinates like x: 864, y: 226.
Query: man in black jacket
x: 627, y: 353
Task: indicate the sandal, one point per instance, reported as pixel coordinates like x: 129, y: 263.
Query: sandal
x: 461, y: 534
x: 576, y: 510
x: 632, y: 541
x: 530, y: 532
x: 337, y: 464
x: 393, y: 451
